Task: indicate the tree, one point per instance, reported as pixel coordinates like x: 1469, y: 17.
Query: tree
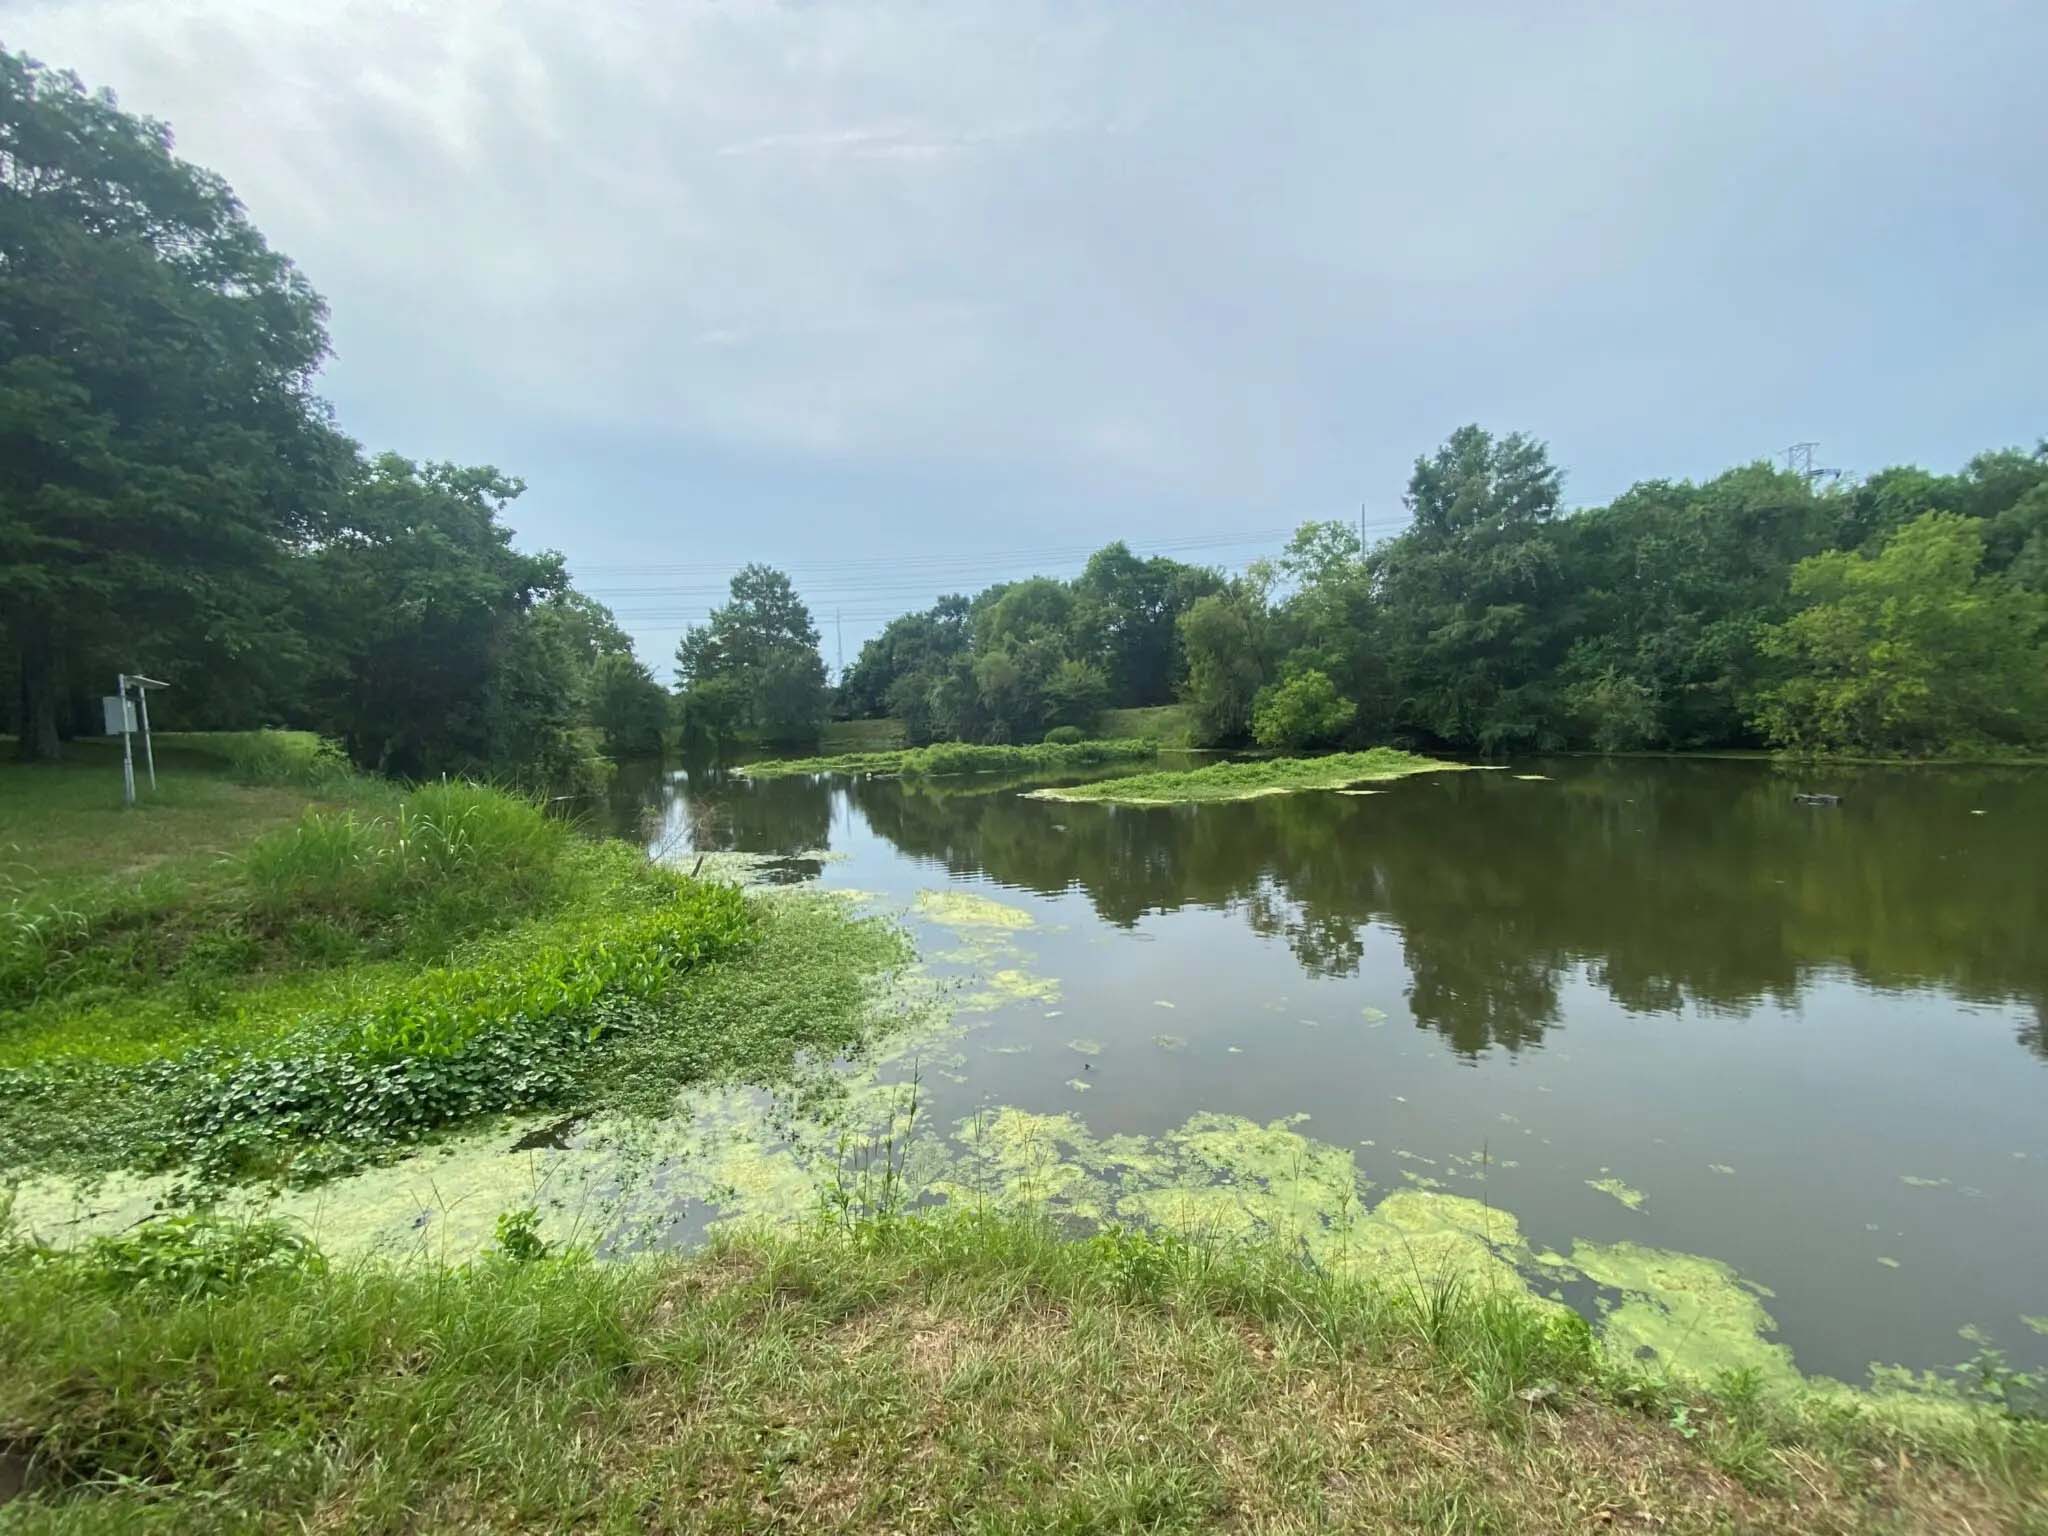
x: 1471, y: 591
x: 762, y: 614
x: 161, y: 451
x: 587, y: 627
x: 917, y: 644
x: 761, y: 643
x: 1304, y: 711
x: 1914, y: 649
x: 1076, y: 693
x: 1667, y: 590
x: 789, y: 696
x: 431, y: 656
x: 1614, y: 711
x: 1223, y: 636
x: 628, y: 707
x: 712, y: 714
x: 1332, y: 622
x: 1124, y: 619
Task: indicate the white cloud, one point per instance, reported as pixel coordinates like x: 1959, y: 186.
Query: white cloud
x: 1235, y: 253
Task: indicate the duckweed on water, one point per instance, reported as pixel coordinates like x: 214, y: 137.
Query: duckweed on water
x: 1626, y: 1194
x: 1010, y: 984
x: 1249, y: 780
x: 1683, y: 1312
x: 963, y: 911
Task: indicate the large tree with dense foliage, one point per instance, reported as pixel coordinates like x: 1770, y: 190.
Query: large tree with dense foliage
x: 175, y: 500
x: 1913, y: 649
x: 1474, y: 594
x: 161, y: 451
x: 915, y: 647
x: 1670, y: 587
x: 759, y: 647
x: 1225, y: 637
x: 432, y: 656
x: 1125, y: 614
x: 1022, y: 656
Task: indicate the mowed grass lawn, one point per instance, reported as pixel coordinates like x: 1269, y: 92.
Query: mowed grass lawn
x: 63, y: 822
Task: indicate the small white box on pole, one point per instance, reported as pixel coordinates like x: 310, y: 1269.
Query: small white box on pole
x: 120, y: 714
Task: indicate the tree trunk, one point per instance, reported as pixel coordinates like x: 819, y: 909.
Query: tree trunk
x: 38, y: 742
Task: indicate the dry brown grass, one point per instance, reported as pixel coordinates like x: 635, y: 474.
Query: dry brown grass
x: 916, y: 1414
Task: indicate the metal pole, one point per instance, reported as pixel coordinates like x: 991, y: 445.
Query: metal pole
x: 127, y: 746
x: 148, y: 750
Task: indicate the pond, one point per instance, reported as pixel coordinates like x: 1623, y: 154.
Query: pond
x: 1633, y: 1004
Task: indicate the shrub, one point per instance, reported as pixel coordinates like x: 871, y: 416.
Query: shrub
x: 1304, y: 711
x: 1063, y: 736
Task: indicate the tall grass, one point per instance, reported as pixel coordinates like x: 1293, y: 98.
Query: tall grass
x: 299, y: 758
x: 451, y: 842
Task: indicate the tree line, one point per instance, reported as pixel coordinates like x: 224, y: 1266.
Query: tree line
x: 176, y: 500
x: 1906, y: 613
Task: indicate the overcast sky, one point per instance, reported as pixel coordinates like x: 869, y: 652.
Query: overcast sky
x: 908, y: 297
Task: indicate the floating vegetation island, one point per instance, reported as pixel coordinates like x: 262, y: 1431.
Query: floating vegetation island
x: 1248, y: 781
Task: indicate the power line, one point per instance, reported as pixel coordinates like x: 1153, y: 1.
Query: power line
x: 948, y: 560
x: 890, y: 581
x: 904, y: 583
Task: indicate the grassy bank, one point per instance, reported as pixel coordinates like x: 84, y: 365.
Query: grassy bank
x: 936, y: 1374
x: 961, y: 757
x: 1171, y: 725
x: 1245, y: 781
x: 327, y: 992
x: 843, y: 736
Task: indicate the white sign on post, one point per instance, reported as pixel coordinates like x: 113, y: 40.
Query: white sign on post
x: 120, y: 714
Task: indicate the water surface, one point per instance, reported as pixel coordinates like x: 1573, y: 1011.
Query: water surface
x: 1811, y: 1040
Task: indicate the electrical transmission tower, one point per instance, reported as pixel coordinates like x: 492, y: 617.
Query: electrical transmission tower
x: 1799, y: 461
